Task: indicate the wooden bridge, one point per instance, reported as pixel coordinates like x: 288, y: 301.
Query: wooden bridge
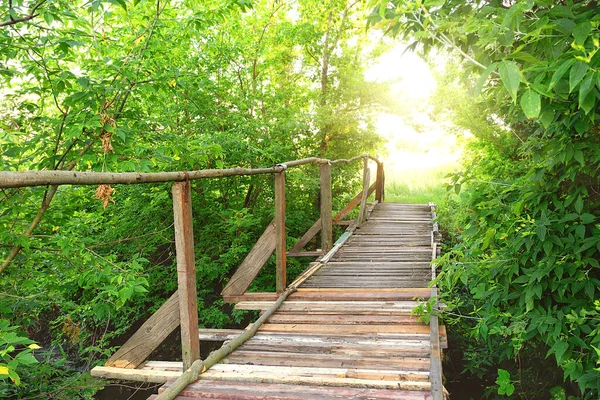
x: 342, y: 329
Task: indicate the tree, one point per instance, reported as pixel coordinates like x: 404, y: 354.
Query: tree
x: 530, y: 248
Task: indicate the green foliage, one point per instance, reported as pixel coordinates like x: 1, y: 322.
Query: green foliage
x: 15, y: 352
x: 505, y: 387
x: 154, y: 86
x: 525, y: 240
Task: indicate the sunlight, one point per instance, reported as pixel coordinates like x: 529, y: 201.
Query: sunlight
x: 415, y: 141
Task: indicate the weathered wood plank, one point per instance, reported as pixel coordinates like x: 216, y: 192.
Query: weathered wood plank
x: 305, y: 254
x: 326, y: 208
x: 307, y: 237
x: 280, y: 235
x: 259, y: 296
x: 148, y: 337
x: 218, y: 335
x: 186, y: 272
x: 353, y: 203
x: 362, y: 215
x: 345, y: 329
x: 327, y: 360
x: 252, y: 264
x: 136, y: 375
x: 260, y: 391
x: 380, y: 183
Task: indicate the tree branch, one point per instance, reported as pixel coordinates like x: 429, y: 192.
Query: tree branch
x: 31, y: 15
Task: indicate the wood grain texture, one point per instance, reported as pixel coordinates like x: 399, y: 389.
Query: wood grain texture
x: 186, y: 272
x: 148, y: 337
x: 252, y: 264
x: 347, y: 329
x: 362, y: 215
x: 326, y: 208
x: 280, y: 251
x: 380, y: 184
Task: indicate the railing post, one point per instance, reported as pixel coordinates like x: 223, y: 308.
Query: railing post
x: 186, y: 273
x: 379, y: 187
x: 326, y: 208
x: 365, y: 192
x: 280, y: 250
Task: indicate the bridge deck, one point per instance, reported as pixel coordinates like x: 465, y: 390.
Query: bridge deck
x: 347, y: 332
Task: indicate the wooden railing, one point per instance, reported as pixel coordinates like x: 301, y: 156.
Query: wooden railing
x: 165, y: 320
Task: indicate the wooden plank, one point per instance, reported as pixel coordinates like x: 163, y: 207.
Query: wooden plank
x: 362, y: 216
x: 353, y: 203
x: 307, y: 237
x: 136, y: 375
x: 186, y: 272
x: 280, y: 252
x: 218, y: 335
x: 380, y: 183
x: 252, y: 264
x: 326, y: 360
x: 345, y: 329
x: 326, y: 208
x: 305, y: 254
x: 259, y: 296
x: 337, y: 220
x: 342, y: 319
x: 310, y: 379
x: 329, y: 305
x: 148, y: 337
x: 216, y: 389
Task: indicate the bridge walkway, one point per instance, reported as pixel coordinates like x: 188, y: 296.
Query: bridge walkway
x: 348, y: 331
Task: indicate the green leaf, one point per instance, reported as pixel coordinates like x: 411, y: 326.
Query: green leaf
x: 577, y: 73
x: 547, y: 118
x: 483, y: 77
x: 559, y: 348
x: 588, y: 104
x: 511, y: 77
x: 560, y: 72
x: 541, y: 232
x: 586, y: 86
x: 579, y: 205
x: 48, y: 18
x: 587, y: 218
x: 434, y: 3
x: 531, y: 104
x: 581, y: 32
x: 578, y: 155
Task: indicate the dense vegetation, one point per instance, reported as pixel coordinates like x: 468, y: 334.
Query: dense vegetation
x: 522, y: 266
x: 153, y: 86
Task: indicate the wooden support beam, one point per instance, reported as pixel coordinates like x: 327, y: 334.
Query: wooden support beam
x: 305, y: 254
x: 186, y: 272
x: 252, y: 264
x: 257, y: 296
x: 326, y: 208
x: 307, y: 237
x: 336, y: 220
x: 363, y: 202
x: 150, y: 335
x: 353, y: 203
x: 280, y: 251
x: 380, y: 184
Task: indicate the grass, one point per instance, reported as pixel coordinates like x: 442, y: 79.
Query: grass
x: 418, y: 186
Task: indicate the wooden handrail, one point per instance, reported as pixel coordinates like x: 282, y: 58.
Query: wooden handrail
x: 186, y: 298
x: 16, y: 179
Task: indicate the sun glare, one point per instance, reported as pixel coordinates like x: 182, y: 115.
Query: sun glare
x: 417, y: 145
